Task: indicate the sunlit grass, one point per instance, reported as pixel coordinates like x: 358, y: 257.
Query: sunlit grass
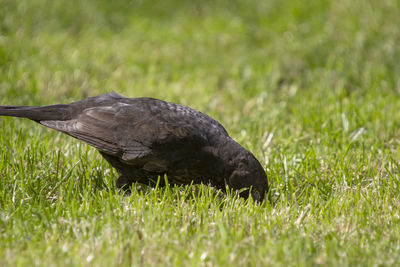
x: 312, y: 88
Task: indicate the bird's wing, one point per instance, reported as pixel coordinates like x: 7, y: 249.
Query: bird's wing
x: 145, y: 128
x: 98, y: 126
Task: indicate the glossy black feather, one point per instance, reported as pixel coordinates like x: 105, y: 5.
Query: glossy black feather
x: 144, y: 138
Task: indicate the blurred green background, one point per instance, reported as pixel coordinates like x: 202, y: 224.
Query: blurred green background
x: 176, y: 49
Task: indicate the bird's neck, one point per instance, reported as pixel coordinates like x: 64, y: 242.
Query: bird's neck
x: 232, y: 154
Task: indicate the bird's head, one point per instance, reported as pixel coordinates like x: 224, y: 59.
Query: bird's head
x: 248, y: 173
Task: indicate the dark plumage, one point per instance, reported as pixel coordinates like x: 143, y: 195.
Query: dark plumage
x: 144, y: 138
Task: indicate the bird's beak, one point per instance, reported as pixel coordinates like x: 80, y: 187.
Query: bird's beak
x: 256, y: 195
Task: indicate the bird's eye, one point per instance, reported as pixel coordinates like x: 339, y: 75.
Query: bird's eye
x: 256, y: 195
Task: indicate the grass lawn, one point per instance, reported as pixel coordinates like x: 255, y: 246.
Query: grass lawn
x: 312, y: 88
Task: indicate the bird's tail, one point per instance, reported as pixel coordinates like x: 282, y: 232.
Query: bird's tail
x: 41, y: 113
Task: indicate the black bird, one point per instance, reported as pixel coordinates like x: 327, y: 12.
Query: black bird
x: 144, y: 138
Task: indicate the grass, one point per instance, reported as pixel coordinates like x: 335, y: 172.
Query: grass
x: 312, y: 88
